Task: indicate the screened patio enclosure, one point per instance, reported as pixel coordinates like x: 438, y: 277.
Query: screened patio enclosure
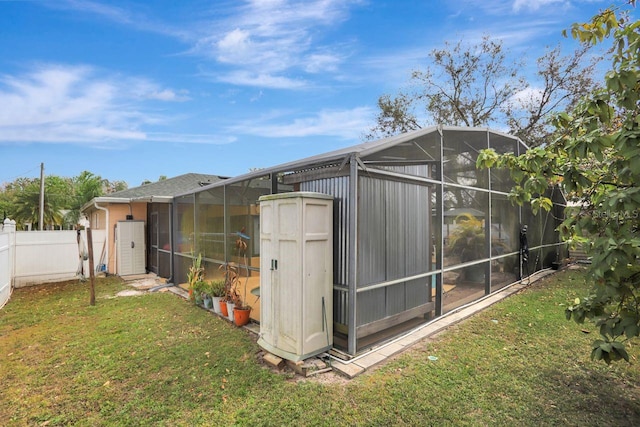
x: 418, y: 230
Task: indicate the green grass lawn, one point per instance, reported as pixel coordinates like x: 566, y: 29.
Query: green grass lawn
x: 158, y: 360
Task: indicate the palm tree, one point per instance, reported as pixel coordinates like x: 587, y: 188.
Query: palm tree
x: 86, y: 186
x: 27, y: 205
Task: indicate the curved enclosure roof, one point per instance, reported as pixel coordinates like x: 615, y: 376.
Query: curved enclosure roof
x: 431, y: 144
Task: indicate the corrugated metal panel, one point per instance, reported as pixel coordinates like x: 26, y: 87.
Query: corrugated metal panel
x: 418, y: 292
x: 394, y: 242
x: 395, y: 299
x: 414, y: 170
x: 418, y: 244
x: 417, y: 229
x: 395, y: 205
x: 371, y: 306
x: 341, y: 306
x: 337, y: 187
x: 371, y: 231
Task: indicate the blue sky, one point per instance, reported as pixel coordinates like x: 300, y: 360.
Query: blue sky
x: 131, y: 90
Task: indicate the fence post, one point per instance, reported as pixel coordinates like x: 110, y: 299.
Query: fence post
x: 92, y: 275
x: 9, y: 226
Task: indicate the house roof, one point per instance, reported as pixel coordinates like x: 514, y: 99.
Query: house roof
x: 160, y: 191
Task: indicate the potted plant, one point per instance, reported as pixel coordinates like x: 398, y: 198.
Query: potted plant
x: 230, y: 272
x: 206, y: 295
x: 467, y: 242
x: 241, y: 313
x: 195, y: 275
x: 216, y: 287
x: 241, y: 310
x: 199, y: 292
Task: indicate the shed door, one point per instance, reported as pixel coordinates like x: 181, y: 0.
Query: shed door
x: 131, y: 248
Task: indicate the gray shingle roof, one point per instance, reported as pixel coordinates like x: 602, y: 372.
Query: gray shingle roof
x: 168, y: 187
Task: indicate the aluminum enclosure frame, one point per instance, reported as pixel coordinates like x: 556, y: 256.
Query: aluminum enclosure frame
x: 385, y: 279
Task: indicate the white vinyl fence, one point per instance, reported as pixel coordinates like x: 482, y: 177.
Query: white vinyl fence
x: 34, y: 257
x: 5, y: 266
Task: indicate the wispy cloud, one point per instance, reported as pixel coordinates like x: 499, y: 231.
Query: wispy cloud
x: 261, y: 80
x: 534, y: 5
x: 190, y: 138
x: 522, y: 7
x: 267, y: 41
x: 78, y: 104
x: 136, y: 19
x: 346, y: 124
x: 526, y: 97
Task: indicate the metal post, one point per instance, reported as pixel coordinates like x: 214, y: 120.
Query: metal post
x: 92, y: 274
x: 41, y: 221
x: 225, y: 223
x: 440, y: 232
x: 487, y: 228
x: 172, y: 221
x: 352, y: 340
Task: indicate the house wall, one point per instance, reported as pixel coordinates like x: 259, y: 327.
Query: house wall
x: 117, y: 212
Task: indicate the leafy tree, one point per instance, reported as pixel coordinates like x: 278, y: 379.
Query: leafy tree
x: 595, y: 157
x: 20, y: 199
x: 26, y: 203
x: 7, y: 194
x: 564, y: 81
x: 86, y: 186
x: 476, y: 86
x: 114, y: 186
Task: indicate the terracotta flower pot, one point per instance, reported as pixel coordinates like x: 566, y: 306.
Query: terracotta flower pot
x: 241, y: 316
x: 223, y: 308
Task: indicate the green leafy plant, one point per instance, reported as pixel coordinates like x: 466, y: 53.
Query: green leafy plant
x: 467, y: 240
x: 217, y: 288
x: 195, y: 275
x: 594, y: 158
x: 201, y: 287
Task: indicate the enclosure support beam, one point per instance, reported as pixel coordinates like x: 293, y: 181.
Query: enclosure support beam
x: 352, y: 340
x: 172, y: 243
x: 439, y: 232
x: 487, y: 230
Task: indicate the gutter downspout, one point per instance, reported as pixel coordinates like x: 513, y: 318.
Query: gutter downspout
x: 107, y: 237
